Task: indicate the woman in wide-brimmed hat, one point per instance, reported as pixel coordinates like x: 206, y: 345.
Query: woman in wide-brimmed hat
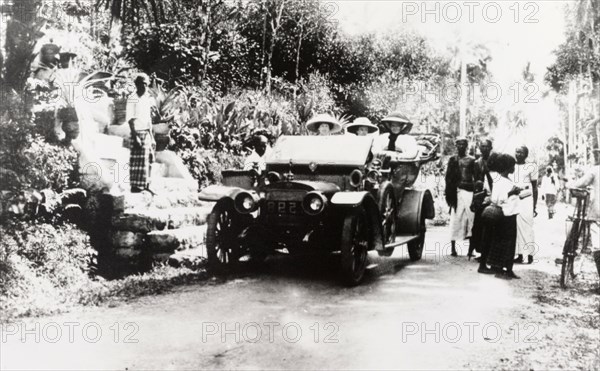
x: 362, y: 127
x: 323, y: 124
x: 397, y: 139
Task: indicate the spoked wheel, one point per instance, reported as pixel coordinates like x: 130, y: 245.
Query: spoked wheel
x: 566, y: 272
x: 387, y: 208
x: 354, y: 247
x: 222, y: 229
x: 415, y: 247
x: 569, y: 252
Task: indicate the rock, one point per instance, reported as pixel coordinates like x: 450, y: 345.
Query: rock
x: 172, y: 239
x: 146, y: 220
x: 127, y: 239
x: 127, y: 253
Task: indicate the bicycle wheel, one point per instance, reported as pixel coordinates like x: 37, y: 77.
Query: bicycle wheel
x: 569, y: 252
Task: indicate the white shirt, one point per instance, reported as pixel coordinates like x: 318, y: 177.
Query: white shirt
x: 547, y: 187
x: 524, y: 174
x: 406, y: 144
x: 591, y: 178
x: 509, y: 205
x: 139, y: 108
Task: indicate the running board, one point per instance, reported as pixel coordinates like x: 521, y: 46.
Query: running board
x: 401, y: 240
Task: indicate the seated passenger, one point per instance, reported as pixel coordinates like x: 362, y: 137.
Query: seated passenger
x: 397, y: 140
x: 362, y: 127
x: 257, y: 159
x: 323, y: 124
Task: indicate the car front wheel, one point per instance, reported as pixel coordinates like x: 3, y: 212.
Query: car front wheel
x: 222, y: 245
x: 354, y: 247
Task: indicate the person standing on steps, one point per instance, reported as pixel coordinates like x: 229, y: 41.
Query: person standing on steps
x: 525, y: 177
x: 460, y: 180
x: 138, y: 116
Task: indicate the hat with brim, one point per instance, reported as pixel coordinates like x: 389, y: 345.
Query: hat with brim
x: 461, y: 139
x: 313, y: 123
x: 397, y: 117
x: 361, y: 122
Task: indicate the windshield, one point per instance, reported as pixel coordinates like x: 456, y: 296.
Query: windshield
x: 349, y: 150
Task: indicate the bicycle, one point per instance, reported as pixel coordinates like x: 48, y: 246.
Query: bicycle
x: 580, y: 230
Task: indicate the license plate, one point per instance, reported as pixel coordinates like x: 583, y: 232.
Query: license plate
x: 283, y: 207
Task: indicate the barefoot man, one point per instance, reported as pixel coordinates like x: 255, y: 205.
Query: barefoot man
x: 460, y: 179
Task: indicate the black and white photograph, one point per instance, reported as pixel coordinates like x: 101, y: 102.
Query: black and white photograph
x: 299, y: 185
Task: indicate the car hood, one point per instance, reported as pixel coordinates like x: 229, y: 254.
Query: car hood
x: 325, y: 187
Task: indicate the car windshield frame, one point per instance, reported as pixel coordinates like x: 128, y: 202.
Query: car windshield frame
x: 341, y: 150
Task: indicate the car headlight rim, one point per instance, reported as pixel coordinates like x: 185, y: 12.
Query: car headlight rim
x: 314, y: 203
x: 356, y: 177
x: 246, y: 202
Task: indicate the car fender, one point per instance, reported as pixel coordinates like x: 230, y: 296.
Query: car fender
x: 415, y: 206
x: 219, y: 192
x: 348, y: 201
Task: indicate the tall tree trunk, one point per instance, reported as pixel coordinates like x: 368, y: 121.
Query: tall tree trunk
x: 207, y: 38
x: 264, y: 42
x: 297, y: 73
x: 275, y: 24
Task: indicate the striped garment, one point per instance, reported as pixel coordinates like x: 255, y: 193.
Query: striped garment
x: 140, y: 160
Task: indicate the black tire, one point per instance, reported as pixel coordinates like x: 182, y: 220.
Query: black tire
x: 415, y: 247
x: 355, y: 243
x: 388, y: 209
x: 222, y: 245
x: 566, y: 272
x: 569, y: 251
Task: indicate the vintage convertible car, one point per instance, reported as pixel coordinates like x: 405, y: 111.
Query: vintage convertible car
x: 323, y: 194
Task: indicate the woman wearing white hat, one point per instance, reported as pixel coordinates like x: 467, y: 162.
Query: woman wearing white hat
x: 397, y: 140
x: 323, y: 124
x: 362, y: 127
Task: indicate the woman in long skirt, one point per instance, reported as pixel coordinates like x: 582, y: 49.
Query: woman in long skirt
x: 503, y: 230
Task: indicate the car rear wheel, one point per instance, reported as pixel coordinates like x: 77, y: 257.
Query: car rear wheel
x: 354, y: 247
x: 222, y: 245
x: 415, y: 247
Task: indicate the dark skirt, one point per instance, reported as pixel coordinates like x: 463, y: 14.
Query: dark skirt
x: 501, y: 235
x: 477, y: 232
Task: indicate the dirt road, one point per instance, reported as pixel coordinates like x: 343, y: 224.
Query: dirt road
x: 437, y: 313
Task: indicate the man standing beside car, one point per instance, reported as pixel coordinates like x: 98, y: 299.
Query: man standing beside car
x: 138, y: 115
x: 460, y: 180
x: 257, y: 159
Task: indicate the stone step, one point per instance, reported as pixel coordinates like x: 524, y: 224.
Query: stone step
x: 169, y: 184
x: 170, y: 240
x: 128, y: 200
x: 144, y: 220
x: 107, y: 142
x: 160, y: 170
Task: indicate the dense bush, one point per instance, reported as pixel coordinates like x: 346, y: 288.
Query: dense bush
x: 41, y: 266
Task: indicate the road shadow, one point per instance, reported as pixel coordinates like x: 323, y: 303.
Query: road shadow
x: 322, y: 269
